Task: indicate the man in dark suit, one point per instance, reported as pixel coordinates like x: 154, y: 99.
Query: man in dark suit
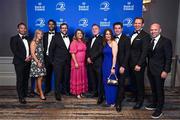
x: 159, y: 65
x: 20, y: 48
x: 61, y: 58
x: 137, y: 61
x: 94, y: 60
x: 47, y: 38
x: 122, y: 61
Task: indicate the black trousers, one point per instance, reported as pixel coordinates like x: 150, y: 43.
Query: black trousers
x: 137, y: 79
x: 22, y: 77
x: 62, y: 78
x: 95, y: 79
x: 48, y: 77
x: 121, y: 88
x: 157, y: 87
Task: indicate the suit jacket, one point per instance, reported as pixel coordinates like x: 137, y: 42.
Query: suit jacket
x: 139, y: 49
x: 18, y: 48
x: 58, y: 51
x: 45, y: 41
x: 95, y: 52
x: 123, y: 51
x: 161, y: 57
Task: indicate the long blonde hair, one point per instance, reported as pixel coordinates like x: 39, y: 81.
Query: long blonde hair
x: 35, y: 35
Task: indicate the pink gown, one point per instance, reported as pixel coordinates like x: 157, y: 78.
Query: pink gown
x: 78, y: 79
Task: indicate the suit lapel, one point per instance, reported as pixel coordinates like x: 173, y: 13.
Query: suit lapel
x: 64, y: 42
x: 158, y: 43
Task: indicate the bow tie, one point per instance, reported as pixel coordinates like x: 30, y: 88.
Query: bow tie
x: 136, y: 31
x: 95, y: 36
x: 51, y: 32
x: 65, y: 36
x: 116, y: 37
x: 24, y: 37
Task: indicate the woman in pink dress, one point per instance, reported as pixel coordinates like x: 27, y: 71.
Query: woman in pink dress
x: 78, y: 81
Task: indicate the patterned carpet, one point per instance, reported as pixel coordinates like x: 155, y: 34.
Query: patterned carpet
x: 85, y: 108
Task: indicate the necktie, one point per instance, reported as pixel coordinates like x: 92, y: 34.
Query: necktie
x: 152, y: 44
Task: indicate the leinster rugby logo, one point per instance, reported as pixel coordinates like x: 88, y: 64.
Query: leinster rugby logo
x: 60, y: 6
x: 105, y: 6
x: 40, y: 22
x: 127, y: 22
x: 83, y: 22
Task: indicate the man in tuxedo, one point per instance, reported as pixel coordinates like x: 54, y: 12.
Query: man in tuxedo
x: 61, y: 58
x: 47, y: 38
x: 137, y: 61
x: 122, y: 61
x: 159, y: 65
x: 20, y: 48
x: 94, y: 60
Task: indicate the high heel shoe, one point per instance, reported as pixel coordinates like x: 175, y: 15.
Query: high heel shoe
x: 78, y: 96
x: 43, y: 98
x: 82, y: 96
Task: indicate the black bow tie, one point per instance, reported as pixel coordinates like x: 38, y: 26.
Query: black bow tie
x: 65, y: 36
x: 95, y: 36
x: 116, y: 37
x: 24, y: 37
x: 136, y: 31
x: 51, y: 32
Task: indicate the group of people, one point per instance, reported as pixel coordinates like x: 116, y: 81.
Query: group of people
x: 82, y: 66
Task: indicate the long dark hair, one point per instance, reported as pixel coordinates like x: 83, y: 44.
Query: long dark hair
x: 104, y: 35
x: 75, y: 35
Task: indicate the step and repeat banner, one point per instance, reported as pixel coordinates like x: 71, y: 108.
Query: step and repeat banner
x: 82, y: 14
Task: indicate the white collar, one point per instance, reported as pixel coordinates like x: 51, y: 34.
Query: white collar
x: 157, y: 38
x: 119, y: 36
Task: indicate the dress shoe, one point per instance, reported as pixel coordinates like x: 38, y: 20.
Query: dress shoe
x: 22, y: 101
x: 138, y: 105
x: 100, y: 101
x: 58, y: 97
x: 150, y: 107
x: 118, y: 108
x: 131, y: 100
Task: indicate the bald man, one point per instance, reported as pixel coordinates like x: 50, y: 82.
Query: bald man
x: 159, y: 64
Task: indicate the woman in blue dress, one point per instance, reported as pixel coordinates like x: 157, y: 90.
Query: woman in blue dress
x: 109, y: 66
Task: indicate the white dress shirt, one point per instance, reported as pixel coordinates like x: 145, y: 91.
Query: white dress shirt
x: 26, y: 45
x: 66, y: 41
x: 117, y: 39
x: 156, y: 41
x: 133, y: 37
x: 93, y: 40
x: 49, y: 41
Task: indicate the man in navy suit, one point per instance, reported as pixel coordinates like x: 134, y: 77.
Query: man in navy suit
x: 21, y: 50
x: 159, y: 65
x: 61, y: 60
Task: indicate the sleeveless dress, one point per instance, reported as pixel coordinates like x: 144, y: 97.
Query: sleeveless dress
x: 78, y: 79
x: 110, y: 90
x: 35, y: 71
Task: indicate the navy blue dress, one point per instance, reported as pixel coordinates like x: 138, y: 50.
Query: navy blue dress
x: 110, y: 90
